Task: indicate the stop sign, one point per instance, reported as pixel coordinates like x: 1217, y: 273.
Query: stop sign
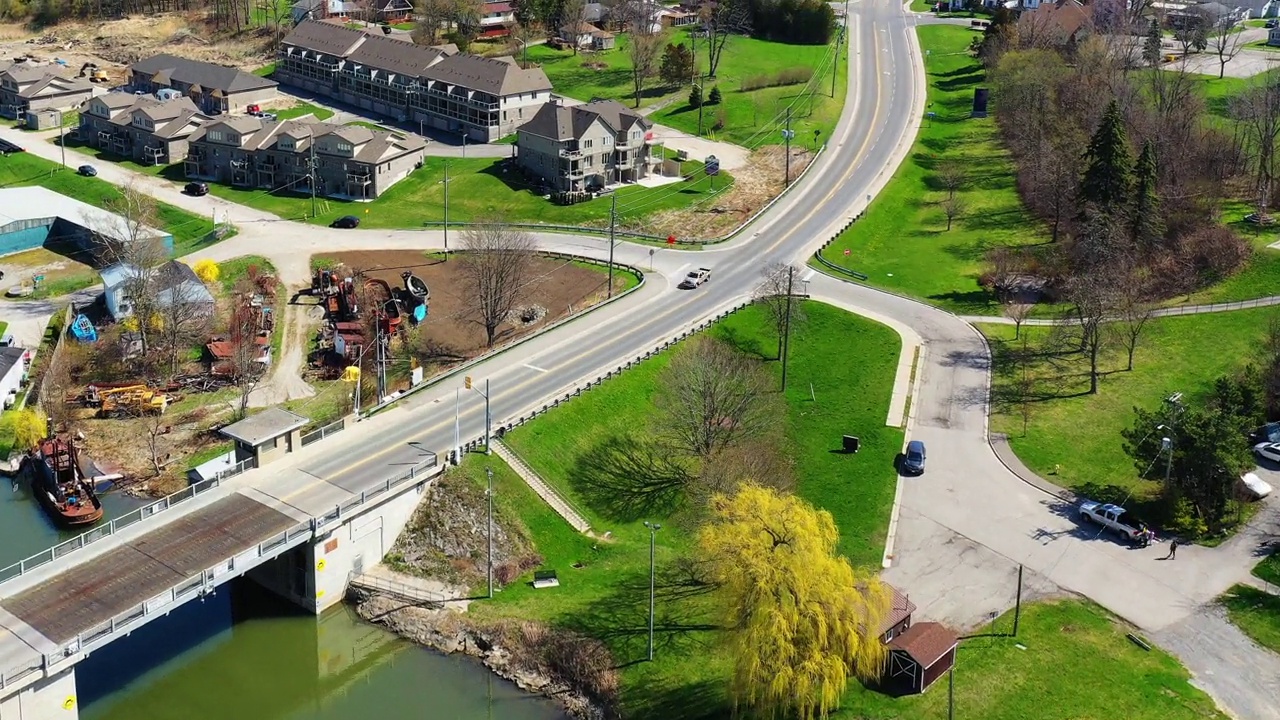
x: 671, y: 239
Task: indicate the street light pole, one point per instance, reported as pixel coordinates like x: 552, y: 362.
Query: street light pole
x: 62, y: 138
x: 786, y: 326
x: 488, y: 421
x: 653, y: 534
x: 446, y: 209
x: 787, y: 134
x: 489, y: 471
x: 613, y: 226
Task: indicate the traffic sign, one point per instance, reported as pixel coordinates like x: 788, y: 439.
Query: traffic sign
x: 671, y: 239
x: 712, y: 165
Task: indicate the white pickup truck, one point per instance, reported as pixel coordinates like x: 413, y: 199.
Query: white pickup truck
x: 695, y: 278
x: 1116, y: 519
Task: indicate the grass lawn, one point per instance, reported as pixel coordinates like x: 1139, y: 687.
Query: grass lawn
x: 1079, y: 433
x: 607, y: 597
x: 1255, y: 612
x: 1269, y: 569
x: 1259, y: 278
x: 303, y: 109
x: 608, y: 75
x: 478, y: 187
x: 902, y: 243
x: 190, y: 232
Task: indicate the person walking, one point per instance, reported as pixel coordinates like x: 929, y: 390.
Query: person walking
x: 1173, y: 551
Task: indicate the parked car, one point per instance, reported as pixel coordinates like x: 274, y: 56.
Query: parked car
x: 1270, y: 24
x: 1254, y: 486
x: 695, y: 278
x: 1116, y: 519
x: 196, y: 188
x: 254, y: 109
x: 87, y: 170
x: 1268, y: 451
x: 913, y: 460
x: 346, y: 222
x: 7, y: 147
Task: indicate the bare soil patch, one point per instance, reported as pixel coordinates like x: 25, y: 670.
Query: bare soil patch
x: 22, y: 268
x: 451, y: 332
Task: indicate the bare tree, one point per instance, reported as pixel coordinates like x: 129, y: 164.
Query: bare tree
x: 1257, y: 115
x: 774, y: 294
x: 953, y: 207
x: 572, y: 17
x: 713, y: 397
x: 1024, y: 385
x: 495, y: 267
x: 430, y: 18
x: 1225, y: 42
x: 951, y: 177
x: 184, y: 310
x: 523, y: 33
x: 722, y: 19
x: 129, y: 238
x: 1131, y: 315
x: 1018, y: 313
x: 1092, y: 298
x: 645, y: 43
x: 243, y: 365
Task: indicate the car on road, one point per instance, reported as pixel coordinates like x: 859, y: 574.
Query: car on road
x: 695, y: 278
x: 913, y: 459
x: 1254, y: 486
x: 196, y: 189
x: 1268, y: 451
x: 87, y: 170
x: 1116, y: 519
x: 346, y: 222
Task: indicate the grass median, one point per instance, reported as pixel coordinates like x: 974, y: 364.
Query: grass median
x: 1256, y: 613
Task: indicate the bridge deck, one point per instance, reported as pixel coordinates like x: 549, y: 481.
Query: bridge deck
x: 88, y: 594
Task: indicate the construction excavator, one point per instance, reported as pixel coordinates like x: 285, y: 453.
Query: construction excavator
x: 338, y: 294
x: 95, y: 75
x: 126, y: 400
x: 389, y: 314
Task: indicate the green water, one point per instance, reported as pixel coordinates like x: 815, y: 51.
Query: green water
x: 25, y: 528
x: 243, y: 654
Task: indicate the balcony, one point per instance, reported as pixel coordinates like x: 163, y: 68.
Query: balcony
x: 570, y: 152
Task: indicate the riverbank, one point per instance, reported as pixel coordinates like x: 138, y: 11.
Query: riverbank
x: 575, y: 671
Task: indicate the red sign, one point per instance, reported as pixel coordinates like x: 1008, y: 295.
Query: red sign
x: 671, y: 239
x: 846, y: 252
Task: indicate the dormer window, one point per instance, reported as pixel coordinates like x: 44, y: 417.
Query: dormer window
x: 286, y: 144
x: 344, y: 147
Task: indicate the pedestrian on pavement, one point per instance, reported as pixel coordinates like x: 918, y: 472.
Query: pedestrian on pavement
x: 1173, y: 551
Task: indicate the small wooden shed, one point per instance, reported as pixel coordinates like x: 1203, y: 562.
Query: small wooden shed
x: 898, y: 619
x: 921, y: 655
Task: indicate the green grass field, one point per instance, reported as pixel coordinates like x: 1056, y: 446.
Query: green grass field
x: 478, y: 188
x: 1080, y: 434
x: 604, y: 597
x: 1255, y: 612
x: 1269, y: 569
x: 303, y: 109
x: 751, y: 118
x: 902, y: 243
x: 190, y: 232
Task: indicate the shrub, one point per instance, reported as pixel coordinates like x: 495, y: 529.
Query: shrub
x: 715, y: 96
x: 578, y: 661
x: 789, y: 76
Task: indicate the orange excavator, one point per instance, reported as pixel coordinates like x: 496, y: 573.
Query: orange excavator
x: 389, y: 314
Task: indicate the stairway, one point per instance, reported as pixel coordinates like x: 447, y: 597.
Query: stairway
x: 545, y: 491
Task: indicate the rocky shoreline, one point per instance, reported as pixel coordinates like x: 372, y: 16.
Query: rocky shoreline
x: 497, y: 645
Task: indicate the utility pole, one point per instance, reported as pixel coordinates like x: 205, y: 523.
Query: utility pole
x: 786, y: 326
x: 701, y: 101
x: 787, y: 135
x: 835, y: 66
x: 311, y: 170
x: 489, y: 471
x: 653, y: 534
x: 446, y: 210
x: 457, y: 435
x: 613, y: 226
x: 1017, y: 604
x: 488, y: 421
x: 62, y: 139
x: 1175, y: 401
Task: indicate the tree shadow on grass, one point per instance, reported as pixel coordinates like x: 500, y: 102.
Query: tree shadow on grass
x: 968, y: 301
x: 625, y: 479
x: 740, y: 342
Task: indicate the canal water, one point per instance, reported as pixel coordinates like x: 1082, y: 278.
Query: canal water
x: 25, y: 528
x: 244, y: 653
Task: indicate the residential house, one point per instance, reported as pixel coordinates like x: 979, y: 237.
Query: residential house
x: 144, y: 128
x: 584, y: 147
x: 496, y: 19
x: 14, y: 362
x: 1060, y: 22
x: 391, y: 11
x: 350, y: 161
x: 173, y: 283
x: 626, y: 13
x: 323, y: 9
x: 676, y: 18
x: 483, y: 98
x: 588, y: 36
x: 25, y: 87
x: 213, y: 88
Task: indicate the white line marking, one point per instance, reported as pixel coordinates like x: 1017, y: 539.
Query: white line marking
x: 680, y: 270
x: 809, y: 276
x: 534, y: 367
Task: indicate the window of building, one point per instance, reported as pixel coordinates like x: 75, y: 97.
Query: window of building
x: 344, y: 147
x: 608, y: 141
x: 604, y: 158
x: 216, y: 136
x: 586, y: 144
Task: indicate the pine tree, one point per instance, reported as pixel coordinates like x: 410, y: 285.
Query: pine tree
x: 1107, y: 181
x: 714, y: 97
x: 1148, y: 225
x: 1151, y: 47
x: 695, y: 97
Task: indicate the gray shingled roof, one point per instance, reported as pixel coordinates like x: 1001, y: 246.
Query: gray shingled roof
x: 117, y: 100
x: 618, y: 116
x: 560, y: 122
x: 24, y: 72
x: 397, y: 56
x: 372, y: 144
x: 168, y: 110
x: 270, y: 423
x: 323, y: 37
x: 496, y: 76
x: 207, y: 75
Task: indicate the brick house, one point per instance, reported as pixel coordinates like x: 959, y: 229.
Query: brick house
x: 213, y: 88
x: 587, y: 146
x: 351, y: 162
x: 143, y: 128
x: 25, y: 87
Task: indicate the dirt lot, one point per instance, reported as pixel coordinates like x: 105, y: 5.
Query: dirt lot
x: 58, y: 270
x: 451, y: 332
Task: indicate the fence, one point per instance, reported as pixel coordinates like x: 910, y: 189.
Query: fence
x: 404, y: 591
x: 417, y: 472
x: 1268, y: 301
x: 324, y: 432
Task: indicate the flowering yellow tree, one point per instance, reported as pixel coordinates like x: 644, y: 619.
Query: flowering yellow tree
x: 207, y: 270
x: 29, y: 427
x: 800, y: 619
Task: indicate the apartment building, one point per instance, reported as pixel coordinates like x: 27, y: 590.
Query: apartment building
x: 350, y: 161
x: 213, y: 88
x: 144, y: 128
x: 585, y: 147
x: 25, y: 87
x: 482, y: 98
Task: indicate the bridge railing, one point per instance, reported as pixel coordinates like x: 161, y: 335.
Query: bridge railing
x: 417, y: 472
x: 85, y: 539
x: 324, y: 432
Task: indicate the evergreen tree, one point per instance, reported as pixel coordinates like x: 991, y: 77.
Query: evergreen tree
x: 714, y: 98
x: 1108, y: 181
x: 677, y: 65
x: 1151, y: 47
x: 695, y: 97
x: 1148, y: 225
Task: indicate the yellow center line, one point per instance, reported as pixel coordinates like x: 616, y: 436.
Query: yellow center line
x: 567, y: 362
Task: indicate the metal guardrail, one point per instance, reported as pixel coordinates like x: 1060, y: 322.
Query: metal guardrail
x: 324, y: 432
x: 852, y: 273
x: 395, y: 588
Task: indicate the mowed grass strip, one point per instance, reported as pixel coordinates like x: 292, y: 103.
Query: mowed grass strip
x: 902, y: 243
x: 1256, y: 612
x: 1079, y: 434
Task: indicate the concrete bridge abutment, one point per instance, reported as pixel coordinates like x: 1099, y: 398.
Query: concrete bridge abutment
x: 51, y: 698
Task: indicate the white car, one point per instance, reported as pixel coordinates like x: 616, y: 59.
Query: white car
x: 1256, y: 486
x: 1268, y: 451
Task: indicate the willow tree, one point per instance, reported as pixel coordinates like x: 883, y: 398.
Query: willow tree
x: 29, y: 428
x: 801, y: 621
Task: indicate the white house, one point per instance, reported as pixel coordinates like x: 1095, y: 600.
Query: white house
x: 173, y: 282
x: 13, y: 370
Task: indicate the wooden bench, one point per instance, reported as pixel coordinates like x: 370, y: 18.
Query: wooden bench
x: 545, y: 579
